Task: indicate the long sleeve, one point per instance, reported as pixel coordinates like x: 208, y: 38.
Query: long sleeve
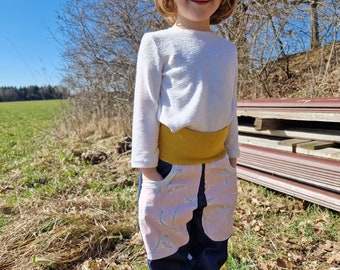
x: 145, y: 128
x: 232, y: 143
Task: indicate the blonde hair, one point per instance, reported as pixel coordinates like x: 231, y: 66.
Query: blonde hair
x: 168, y: 10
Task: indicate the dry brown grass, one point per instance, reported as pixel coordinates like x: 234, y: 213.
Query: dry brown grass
x: 65, y: 230
x: 90, y: 222
x: 60, y: 233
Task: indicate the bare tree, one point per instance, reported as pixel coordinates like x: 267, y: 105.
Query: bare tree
x: 101, y: 39
x: 275, y: 31
x: 235, y: 30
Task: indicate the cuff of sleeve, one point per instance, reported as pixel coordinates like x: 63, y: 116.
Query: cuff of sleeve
x: 234, y: 154
x: 144, y: 163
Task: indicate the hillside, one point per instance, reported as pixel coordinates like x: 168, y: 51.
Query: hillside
x: 314, y: 73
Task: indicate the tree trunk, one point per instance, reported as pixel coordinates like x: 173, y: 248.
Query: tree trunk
x: 315, y: 39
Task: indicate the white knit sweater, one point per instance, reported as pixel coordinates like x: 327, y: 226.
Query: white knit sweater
x: 184, y: 78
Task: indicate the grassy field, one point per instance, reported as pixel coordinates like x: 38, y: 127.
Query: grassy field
x: 23, y: 127
x: 61, y: 208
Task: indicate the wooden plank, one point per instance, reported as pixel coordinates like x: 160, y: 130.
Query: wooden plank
x: 315, y: 145
x: 290, y: 115
x: 310, y: 134
x: 293, y: 143
x: 330, y: 153
x: 264, y: 124
x: 273, y: 144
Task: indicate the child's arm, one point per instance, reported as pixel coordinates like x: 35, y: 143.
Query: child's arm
x: 151, y: 174
x: 231, y: 143
x: 145, y: 126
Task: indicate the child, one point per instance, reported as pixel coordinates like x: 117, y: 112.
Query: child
x: 185, y: 137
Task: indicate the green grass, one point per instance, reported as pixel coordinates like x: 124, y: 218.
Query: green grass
x: 24, y: 127
x: 27, y: 136
x: 26, y: 132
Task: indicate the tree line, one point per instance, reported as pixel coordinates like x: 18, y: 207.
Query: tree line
x: 10, y: 93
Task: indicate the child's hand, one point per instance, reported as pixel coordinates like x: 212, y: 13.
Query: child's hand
x: 233, y: 162
x: 151, y: 174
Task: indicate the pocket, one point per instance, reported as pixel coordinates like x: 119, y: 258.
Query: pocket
x: 166, y: 170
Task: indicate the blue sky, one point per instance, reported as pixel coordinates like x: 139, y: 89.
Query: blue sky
x: 29, y: 55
